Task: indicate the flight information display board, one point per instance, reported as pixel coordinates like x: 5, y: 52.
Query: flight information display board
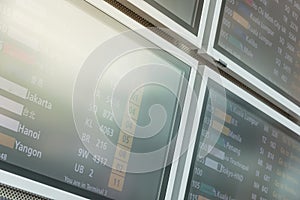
x: 254, y: 156
x: 262, y: 37
x: 52, y: 132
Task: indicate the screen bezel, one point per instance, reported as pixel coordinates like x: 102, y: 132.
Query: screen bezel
x: 192, y: 34
x: 248, y: 98
x: 50, y: 188
x: 242, y: 70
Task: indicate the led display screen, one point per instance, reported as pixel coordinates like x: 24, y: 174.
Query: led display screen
x: 86, y: 105
x: 262, y: 37
x: 253, y: 155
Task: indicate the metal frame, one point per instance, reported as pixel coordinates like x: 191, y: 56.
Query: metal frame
x: 34, y: 187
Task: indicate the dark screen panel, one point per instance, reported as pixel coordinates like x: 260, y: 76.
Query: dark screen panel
x: 263, y: 38
x: 255, y: 157
x: 185, y: 13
